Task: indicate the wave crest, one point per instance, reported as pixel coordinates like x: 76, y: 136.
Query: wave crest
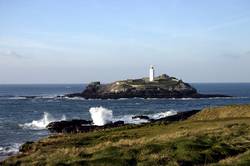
x: 101, y: 115
x: 162, y: 114
x: 7, y: 150
x: 41, y: 123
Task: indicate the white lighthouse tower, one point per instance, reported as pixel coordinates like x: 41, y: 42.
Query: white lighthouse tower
x: 151, y: 73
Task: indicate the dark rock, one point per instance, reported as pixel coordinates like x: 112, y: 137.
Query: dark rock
x: 78, y: 126
x: 141, y: 117
x: 118, y: 123
x: 178, y: 117
x: 26, y: 147
x: 67, y: 126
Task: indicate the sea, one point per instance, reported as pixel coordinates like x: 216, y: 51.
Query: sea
x: 25, y: 110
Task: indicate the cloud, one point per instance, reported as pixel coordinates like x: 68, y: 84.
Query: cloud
x: 10, y: 53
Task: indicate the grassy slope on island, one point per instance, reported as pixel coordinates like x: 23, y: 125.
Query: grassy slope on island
x: 192, y: 142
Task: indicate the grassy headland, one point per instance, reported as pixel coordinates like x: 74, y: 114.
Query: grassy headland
x: 214, y: 136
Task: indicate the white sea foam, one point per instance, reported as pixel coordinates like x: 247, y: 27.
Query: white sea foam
x: 209, y: 98
x: 7, y: 150
x: 162, y: 114
x: 31, y: 97
x: 46, y: 97
x: 101, y: 115
x: 237, y: 97
x: 128, y: 119
x: 17, y: 98
x: 123, y: 99
x: 73, y: 98
x: 41, y: 123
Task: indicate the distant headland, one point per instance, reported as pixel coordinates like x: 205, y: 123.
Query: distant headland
x: 162, y: 86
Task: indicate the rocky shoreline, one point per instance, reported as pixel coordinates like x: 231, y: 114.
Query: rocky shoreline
x: 222, y: 133
x: 82, y: 126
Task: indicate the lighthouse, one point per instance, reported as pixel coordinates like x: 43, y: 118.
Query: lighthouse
x: 151, y: 73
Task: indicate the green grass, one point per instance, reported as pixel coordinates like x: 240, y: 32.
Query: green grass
x: 231, y: 111
x: 218, y: 141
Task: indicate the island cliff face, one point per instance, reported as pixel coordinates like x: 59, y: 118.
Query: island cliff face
x: 162, y: 87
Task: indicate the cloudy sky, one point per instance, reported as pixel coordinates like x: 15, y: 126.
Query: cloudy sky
x: 79, y: 41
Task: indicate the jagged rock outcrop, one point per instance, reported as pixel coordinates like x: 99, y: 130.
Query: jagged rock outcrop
x: 79, y: 126
x: 162, y: 87
x: 83, y: 126
x: 177, y: 117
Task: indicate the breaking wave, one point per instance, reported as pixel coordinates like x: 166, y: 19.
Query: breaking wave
x: 128, y: 119
x: 7, y: 150
x: 41, y: 123
x: 102, y: 116
x: 162, y: 114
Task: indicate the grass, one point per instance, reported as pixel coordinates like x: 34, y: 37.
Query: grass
x: 211, y: 141
x: 231, y: 111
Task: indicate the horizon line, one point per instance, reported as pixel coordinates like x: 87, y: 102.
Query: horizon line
x: 114, y: 81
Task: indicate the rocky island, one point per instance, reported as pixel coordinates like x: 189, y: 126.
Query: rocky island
x: 162, y: 86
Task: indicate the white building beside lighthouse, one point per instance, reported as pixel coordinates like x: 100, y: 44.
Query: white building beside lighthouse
x: 151, y: 73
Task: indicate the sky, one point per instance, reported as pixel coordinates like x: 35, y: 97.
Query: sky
x: 79, y: 41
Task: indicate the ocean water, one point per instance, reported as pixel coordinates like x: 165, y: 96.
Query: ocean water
x: 24, y: 118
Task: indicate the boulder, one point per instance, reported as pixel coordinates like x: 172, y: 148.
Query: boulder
x: 67, y: 126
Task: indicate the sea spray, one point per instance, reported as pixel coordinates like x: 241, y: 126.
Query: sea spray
x: 162, y: 114
x: 128, y: 119
x: 101, y: 115
x: 7, y: 150
x: 41, y: 123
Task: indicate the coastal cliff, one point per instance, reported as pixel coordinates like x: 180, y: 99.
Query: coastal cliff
x: 213, y: 136
x: 163, y: 86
